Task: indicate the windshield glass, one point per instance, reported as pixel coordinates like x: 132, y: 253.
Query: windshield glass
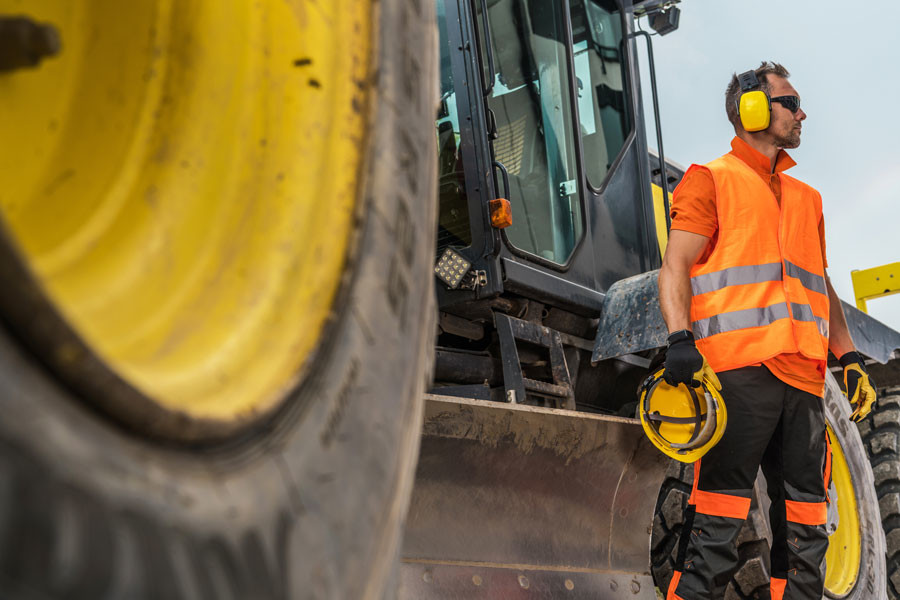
x: 535, y: 135
x: 600, y: 75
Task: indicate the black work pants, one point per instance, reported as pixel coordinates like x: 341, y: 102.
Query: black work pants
x: 782, y: 429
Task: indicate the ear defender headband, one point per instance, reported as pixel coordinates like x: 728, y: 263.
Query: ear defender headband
x: 754, y: 106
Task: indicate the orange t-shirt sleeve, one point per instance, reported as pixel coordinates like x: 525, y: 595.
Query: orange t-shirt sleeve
x: 694, y: 203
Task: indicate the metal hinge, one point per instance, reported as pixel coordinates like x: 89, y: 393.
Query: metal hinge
x: 474, y: 279
x: 567, y: 188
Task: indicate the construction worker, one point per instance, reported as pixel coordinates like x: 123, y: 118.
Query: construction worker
x: 743, y: 288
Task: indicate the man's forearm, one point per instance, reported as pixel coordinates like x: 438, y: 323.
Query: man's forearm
x: 839, y: 341
x: 675, y: 298
x: 675, y: 295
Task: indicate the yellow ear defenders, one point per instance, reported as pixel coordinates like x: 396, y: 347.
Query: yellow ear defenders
x: 683, y: 422
x: 754, y: 105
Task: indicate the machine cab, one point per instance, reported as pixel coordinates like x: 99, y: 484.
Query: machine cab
x: 540, y: 105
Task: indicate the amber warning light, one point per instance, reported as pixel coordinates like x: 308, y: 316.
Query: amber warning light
x: 501, y: 213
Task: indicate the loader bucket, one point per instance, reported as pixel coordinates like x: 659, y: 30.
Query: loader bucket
x: 515, y: 501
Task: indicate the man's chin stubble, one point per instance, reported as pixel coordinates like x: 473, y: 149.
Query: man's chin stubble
x: 788, y: 142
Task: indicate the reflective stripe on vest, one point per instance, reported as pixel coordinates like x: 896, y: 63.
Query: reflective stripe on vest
x: 739, y: 319
x: 710, y: 282
x: 804, y: 312
x: 756, y: 317
x: 747, y: 274
x: 810, y: 281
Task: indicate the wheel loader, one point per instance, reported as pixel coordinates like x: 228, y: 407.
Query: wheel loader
x: 351, y: 299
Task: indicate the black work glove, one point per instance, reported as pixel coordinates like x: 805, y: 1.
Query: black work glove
x: 683, y: 360
x: 860, y: 388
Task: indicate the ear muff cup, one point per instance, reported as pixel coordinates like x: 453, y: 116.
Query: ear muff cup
x: 755, y: 110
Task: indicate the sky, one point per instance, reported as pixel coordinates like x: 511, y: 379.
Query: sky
x: 843, y: 63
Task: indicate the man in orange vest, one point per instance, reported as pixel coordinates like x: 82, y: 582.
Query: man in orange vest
x: 743, y: 287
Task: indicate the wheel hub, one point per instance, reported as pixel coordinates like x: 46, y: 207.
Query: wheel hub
x: 181, y: 182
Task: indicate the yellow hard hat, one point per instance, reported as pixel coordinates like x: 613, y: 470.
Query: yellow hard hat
x: 682, y: 421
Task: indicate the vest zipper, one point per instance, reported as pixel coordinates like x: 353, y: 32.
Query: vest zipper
x: 780, y: 207
x: 784, y: 275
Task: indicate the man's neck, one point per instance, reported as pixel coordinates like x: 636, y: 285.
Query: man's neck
x: 764, y: 147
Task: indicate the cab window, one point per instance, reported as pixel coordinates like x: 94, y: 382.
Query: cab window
x: 600, y: 84
x: 531, y: 101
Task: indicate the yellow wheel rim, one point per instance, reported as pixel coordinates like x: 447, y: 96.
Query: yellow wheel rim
x: 181, y: 180
x: 844, y: 545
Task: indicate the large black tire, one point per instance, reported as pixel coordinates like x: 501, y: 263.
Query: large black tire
x: 751, y: 578
x: 309, y: 504
x: 881, y: 434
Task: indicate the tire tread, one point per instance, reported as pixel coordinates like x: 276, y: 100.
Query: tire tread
x: 880, y: 432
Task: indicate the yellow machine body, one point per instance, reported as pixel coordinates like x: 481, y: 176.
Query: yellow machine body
x: 659, y: 215
x: 876, y: 282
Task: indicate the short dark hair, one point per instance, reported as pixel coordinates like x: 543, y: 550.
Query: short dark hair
x: 733, y: 91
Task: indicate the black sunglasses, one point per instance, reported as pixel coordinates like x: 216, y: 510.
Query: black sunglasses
x: 792, y: 103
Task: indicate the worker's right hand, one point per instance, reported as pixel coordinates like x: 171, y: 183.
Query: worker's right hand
x: 684, y: 363
x: 860, y: 388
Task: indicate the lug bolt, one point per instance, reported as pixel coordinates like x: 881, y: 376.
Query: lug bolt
x: 24, y: 43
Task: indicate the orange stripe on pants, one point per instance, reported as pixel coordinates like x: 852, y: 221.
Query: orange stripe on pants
x: 721, y: 505
x: 715, y: 504
x: 806, y: 513
x: 776, y: 588
x: 671, y: 595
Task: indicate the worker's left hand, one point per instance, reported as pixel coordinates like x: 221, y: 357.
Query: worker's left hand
x: 860, y: 388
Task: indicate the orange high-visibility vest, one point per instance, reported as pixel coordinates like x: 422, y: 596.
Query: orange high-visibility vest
x: 762, y: 291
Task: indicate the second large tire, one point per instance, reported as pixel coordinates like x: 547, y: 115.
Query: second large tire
x: 880, y: 432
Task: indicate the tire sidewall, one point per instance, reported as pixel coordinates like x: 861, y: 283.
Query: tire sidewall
x: 872, y: 579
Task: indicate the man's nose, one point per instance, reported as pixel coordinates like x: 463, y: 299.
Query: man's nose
x: 800, y: 115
